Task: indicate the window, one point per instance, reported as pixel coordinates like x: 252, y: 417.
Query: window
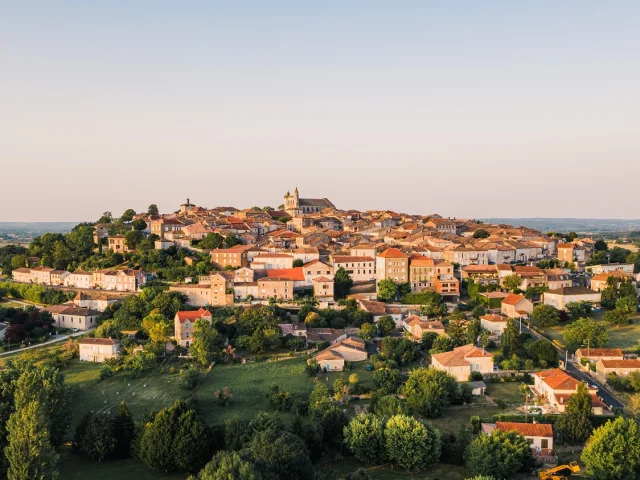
x: 188, y: 334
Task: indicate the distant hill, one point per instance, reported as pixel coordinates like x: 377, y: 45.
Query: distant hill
x: 24, y: 232
x: 578, y: 225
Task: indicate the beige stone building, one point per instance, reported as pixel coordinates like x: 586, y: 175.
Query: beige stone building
x: 462, y: 361
x: 280, y: 288
x: 359, y: 268
x: 117, y: 243
x: 98, y: 349
x: 516, y: 306
x: 72, y: 316
x: 269, y: 261
x: 418, y: 326
x: 392, y: 264
x: 333, y: 358
x: 621, y: 368
x: 494, y: 324
x: 539, y: 435
x: 560, y: 297
x: 323, y: 289
x: 183, y: 324
x: 235, y: 256
x: 22, y: 275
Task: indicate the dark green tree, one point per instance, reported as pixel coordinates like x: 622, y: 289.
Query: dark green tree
x: 574, y: 426
x: 412, y: 444
x: 226, y: 466
x: 429, y: 391
x: 500, y: 454
x: 342, y: 283
x: 364, y: 436
x: 123, y: 431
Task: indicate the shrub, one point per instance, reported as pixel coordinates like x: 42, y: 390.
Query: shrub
x: 105, y: 372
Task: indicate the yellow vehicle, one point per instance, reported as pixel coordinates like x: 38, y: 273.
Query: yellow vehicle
x: 551, y: 473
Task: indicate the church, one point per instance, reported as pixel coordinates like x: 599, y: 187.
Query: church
x: 296, y: 206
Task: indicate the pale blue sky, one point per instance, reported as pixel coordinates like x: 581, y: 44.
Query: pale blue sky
x: 468, y: 109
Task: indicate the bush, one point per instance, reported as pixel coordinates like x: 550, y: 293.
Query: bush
x: 475, y: 377
x: 105, y: 372
x: 189, y: 378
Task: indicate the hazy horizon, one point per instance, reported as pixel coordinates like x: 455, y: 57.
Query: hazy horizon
x: 466, y: 109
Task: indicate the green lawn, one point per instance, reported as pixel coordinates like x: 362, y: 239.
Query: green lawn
x: 249, y: 384
x: 161, y: 390
x: 625, y: 337
x: 508, y: 392
x: 455, y: 416
x: 76, y: 467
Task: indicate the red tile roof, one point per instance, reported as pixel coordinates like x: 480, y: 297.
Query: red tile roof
x: 193, y: 315
x: 512, y: 299
x: 392, y: 253
x: 527, y: 429
x: 296, y: 274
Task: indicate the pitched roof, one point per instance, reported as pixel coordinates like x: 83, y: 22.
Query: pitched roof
x: 296, y: 274
x: 392, y: 253
x: 350, y: 259
x: 192, y: 315
x: 98, y: 341
x: 626, y: 363
x: 558, y: 379
x: 494, y: 318
x: 527, y: 429
x: 600, y: 352
x: 513, y: 299
x: 572, y: 291
x: 458, y: 356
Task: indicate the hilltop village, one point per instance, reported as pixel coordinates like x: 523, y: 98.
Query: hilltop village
x: 364, y: 327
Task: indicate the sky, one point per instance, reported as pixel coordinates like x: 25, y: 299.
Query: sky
x: 464, y: 108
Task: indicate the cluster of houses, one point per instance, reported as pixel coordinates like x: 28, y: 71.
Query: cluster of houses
x: 124, y: 280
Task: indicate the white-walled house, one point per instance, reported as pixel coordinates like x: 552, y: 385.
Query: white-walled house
x: 556, y: 386
x: 539, y: 435
x: 73, y: 316
x: 98, y: 349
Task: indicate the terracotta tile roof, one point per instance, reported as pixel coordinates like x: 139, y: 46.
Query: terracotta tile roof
x: 600, y: 352
x: 98, y: 341
x: 512, y: 299
x: 494, y: 318
x: 192, y: 316
x: 458, y: 357
x: 322, y: 279
x: 527, y: 429
x: 351, y: 259
x: 627, y: 363
x: 392, y: 253
x: 296, y: 274
x: 558, y: 379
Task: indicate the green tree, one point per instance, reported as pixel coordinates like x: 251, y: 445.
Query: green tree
x: 128, y: 215
x: 342, y: 283
x: 545, y: 315
x: 579, y: 309
x: 212, y: 241
x: 133, y: 238
x: 107, y: 329
x: 95, y: 437
x: 365, y: 438
x: 298, y: 263
x: 18, y: 261
x: 139, y: 224
x: 206, y: 342
x: 512, y: 282
x: 280, y: 455
x: 227, y: 466
x: 387, y: 380
x: 628, y: 304
x: 29, y: 452
x: 457, y: 331
x: 500, y: 454
x: 123, y: 431
x: 55, y: 398
x: 153, y: 210
x: 585, y: 330
x: 429, y: 391
x: 386, y: 325
x: 613, y: 451
x: 388, y: 406
x: 481, y: 233
x: 600, y: 246
x: 368, y: 331
x: 387, y: 290
x: 574, y: 426
x: 411, y: 443
x: 617, y: 316
x: 176, y: 438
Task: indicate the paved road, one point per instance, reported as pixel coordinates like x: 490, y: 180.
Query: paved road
x: 605, y: 394
x: 56, y: 339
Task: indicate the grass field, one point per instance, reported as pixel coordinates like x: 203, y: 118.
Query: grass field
x: 455, y: 416
x: 161, y: 390
x: 439, y: 472
x: 249, y: 384
x: 76, y: 467
x: 625, y: 337
x: 508, y: 392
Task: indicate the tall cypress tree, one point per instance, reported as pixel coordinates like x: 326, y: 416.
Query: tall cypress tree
x: 124, y: 428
